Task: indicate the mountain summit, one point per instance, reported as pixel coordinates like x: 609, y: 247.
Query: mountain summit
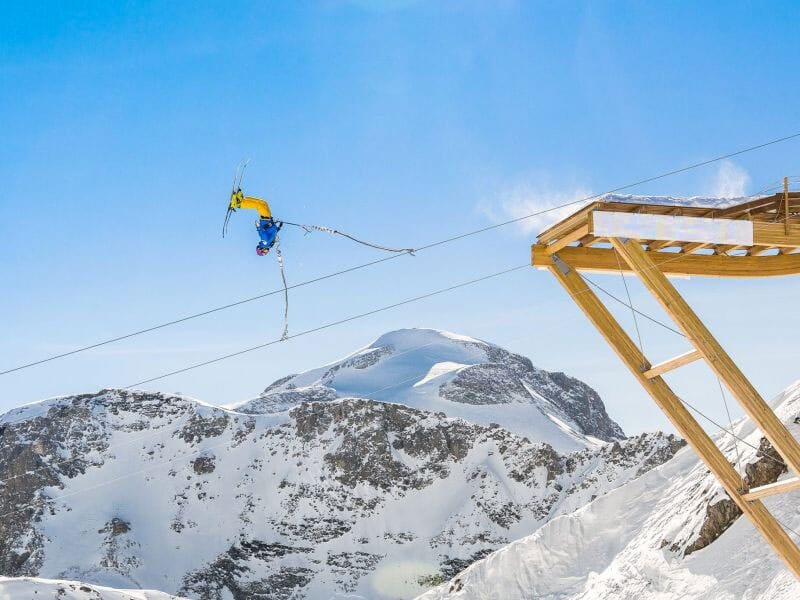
x: 460, y: 376
x: 343, y: 497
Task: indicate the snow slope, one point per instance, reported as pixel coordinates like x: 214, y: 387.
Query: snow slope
x: 640, y: 541
x: 25, y: 588
x: 460, y: 376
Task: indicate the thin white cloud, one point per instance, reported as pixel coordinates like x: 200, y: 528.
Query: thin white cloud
x: 730, y: 181
x: 531, y: 197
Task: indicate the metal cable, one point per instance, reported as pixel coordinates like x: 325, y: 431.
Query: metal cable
x: 328, y: 325
x: 730, y: 424
x: 623, y: 303
x: 633, y: 311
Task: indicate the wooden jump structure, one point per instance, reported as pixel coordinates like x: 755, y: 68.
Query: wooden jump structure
x: 757, y: 238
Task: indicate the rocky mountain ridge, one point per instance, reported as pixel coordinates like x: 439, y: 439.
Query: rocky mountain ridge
x: 351, y: 497
x: 440, y: 371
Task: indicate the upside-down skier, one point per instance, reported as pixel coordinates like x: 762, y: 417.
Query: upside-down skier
x: 268, y: 228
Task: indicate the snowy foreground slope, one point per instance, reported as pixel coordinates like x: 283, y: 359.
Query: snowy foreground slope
x: 663, y: 536
x: 345, y: 497
x: 29, y: 588
x: 460, y: 376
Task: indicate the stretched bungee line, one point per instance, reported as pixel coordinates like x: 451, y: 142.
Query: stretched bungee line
x: 310, y: 228
x: 396, y: 255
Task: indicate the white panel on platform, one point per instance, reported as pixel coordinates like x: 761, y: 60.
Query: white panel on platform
x: 640, y: 226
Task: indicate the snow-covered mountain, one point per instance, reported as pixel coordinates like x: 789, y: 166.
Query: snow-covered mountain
x: 460, y: 376
x: 32, y: 588
x: 345, y: 497
x: 671, y: 534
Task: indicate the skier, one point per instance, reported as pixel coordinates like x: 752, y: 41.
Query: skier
x: 268, y: 232
x: 267, y: 227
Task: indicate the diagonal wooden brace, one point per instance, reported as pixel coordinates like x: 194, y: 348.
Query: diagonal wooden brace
x: 677, y: 413
x: 714, y: 354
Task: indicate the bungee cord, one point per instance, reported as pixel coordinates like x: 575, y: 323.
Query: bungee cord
x: 279, y: 256
x: 310, y: 228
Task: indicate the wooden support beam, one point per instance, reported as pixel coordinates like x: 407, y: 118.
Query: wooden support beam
x: 728, y: 248
x: 691, y: 247
x: 786, y: 205
x: 604, y: 260
x: 779, y: 487
x: 776, y: 234
x: 563, y: 227
x: 590, y: 240
x: 716, y: 357
x: 660, y: 245
x: 568, y: 238
x: 673, y: 363
x: 677, y: 413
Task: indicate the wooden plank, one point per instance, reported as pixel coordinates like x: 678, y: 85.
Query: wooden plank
x: 568, y: 238
x: 776, y: 234
x: 716, y: 357
x: 779, y: 487
x: 786, y: 205
x: 603, y: 260
x: 677, y: 413
x: 572, y: 222
x: 759, y: 204
x: 728, y: 248
x: 688, y: 248
x: 652, y: 246
x: 673, y: 363
x: 759, y: 250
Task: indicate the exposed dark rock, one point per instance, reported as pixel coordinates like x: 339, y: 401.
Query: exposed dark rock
x: 722, y: 514
x: 278, y: 383
x: 450, y: 567
x: 349, y: 567
x: 504, y: 379
x: 279, y: 401
x: 115, y: 527
x: 229, y: 576
x: 200, y: 427
x: 370, y: 432
x: 203, y: 465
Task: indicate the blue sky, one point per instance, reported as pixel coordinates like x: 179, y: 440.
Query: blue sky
x: 402, y: 122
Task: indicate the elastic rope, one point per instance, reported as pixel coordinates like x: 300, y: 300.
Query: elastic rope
x: 324, y: 229
x: 279, y: 255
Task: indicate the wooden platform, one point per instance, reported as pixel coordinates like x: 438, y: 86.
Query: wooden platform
x: 773, y: 251
x: 765, y: 245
